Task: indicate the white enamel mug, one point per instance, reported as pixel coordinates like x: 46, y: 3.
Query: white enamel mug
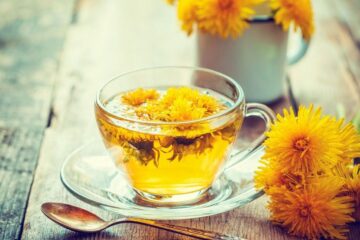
x: 257, y: 60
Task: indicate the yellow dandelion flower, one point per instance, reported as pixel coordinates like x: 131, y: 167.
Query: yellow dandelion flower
x: 351, y: 139
x: 180, y: 104
x: 139, y: 96
x: 271, y: 175
x: 171, y: 2
x: 224, y: 17
x: 298, y: 12
x: 305, y: 143
x: 186, y: 12
x: 312, y: 212
x: 209, y: 103
x: 119, y: 134
x: 180, y: 93
x: 182, y: 110
x: 351, y: 177
x: 353, y: 184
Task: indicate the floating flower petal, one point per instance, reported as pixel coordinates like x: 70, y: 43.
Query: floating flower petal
x: 140, y: 96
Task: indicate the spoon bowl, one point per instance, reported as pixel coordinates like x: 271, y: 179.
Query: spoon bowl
x: 73, y: 218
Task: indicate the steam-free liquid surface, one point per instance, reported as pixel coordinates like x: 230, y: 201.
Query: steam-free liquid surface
x: 167, y: 160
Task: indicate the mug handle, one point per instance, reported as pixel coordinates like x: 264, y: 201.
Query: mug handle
x: 300, y: 53
x: 268, y: 116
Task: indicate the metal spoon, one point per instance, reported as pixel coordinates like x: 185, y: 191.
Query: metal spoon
x: 81, y: 220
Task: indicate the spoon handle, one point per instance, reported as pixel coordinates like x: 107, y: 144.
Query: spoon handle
x: 192, y: 232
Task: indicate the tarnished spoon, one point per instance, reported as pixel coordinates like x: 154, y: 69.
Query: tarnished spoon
x: 81, y: 220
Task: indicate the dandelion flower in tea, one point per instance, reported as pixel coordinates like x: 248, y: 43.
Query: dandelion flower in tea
x: 165, y: 158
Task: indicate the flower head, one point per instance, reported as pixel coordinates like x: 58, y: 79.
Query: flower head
x: 351, y: 139
x: 353, y: 185
x: 351, y: 179
x: 298, y: 12
x: 182, y: 110
x: 140, y: 96
x: 224, y: 17
x: 314, y: 211
x: 171, y: 2
x: 272, y: 175
x: 187, y: 15
x: 180, y: 104
x: 305, y: 143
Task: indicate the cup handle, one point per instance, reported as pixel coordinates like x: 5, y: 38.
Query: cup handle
x: 300, y: 53
x: 253, y: 110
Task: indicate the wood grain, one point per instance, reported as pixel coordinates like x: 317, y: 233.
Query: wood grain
x: 31, y: 34
x: 348, y: 15
x: 19, y: 151
x: 110, y: 37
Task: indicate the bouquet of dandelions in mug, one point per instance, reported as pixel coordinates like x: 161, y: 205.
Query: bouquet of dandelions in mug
x: 309, y: 175
x: 226, y: 18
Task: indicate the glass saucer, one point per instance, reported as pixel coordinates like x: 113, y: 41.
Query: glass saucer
x: 90, y: 174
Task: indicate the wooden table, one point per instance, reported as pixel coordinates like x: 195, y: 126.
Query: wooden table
x: 55, y: 54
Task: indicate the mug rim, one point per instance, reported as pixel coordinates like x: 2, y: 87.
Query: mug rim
x: 237, y: 103
x: 262, y: 19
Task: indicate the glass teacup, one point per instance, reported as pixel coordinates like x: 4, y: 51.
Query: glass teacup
x: 175, y: 162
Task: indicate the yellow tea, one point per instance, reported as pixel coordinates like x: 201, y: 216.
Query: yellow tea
x: 158, y: 143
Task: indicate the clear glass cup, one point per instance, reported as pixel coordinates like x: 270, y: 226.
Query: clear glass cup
x: 176, y: 162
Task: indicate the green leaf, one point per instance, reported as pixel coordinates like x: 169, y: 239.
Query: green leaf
x: 340, y: 111
x: 356, y: 121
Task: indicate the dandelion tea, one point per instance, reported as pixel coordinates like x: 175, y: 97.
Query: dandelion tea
x: 169, y: 152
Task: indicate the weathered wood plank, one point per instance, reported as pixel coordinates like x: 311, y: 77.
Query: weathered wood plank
x: 349, y: 38
x: 12, y: 206
x: 19, y: 149
x: 31, y: 34
x: 348, y: 11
